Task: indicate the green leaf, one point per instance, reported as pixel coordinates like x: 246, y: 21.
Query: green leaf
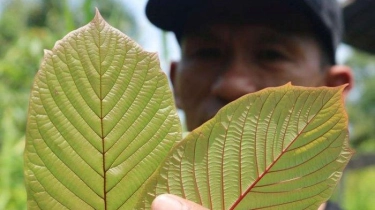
x: 101, y: 120
x: 280, y: 148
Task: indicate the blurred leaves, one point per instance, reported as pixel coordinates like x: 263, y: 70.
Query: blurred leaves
x: 361, y: 106
x: 27, y: 28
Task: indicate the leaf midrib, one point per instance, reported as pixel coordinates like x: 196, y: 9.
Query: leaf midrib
x: 102, y: 136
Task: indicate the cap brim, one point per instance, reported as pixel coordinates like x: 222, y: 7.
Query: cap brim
x: 169, y: 15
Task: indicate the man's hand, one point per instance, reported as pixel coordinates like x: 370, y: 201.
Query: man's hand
x: 172, y: 202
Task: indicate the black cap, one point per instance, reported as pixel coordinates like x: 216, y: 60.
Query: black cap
x: 325, y: 15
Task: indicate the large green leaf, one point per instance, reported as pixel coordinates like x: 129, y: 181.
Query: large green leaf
x: 101, y: 120
x: 280, y: 148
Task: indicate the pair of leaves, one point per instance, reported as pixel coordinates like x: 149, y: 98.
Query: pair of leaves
x: 103, y: 133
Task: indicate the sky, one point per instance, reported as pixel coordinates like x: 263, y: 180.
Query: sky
x: 150, y: 37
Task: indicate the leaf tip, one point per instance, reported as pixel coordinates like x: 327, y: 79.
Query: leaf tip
x: 342, y: 87
x: 46, y: 52
x: 98, y: 17
x: 287, y: 85
x: 341, y: 90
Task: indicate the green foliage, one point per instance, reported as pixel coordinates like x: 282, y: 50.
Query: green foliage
x: 358, y: 184
x: 361, y: 191
x: 102, y: 121
x: 28, y: 28
x: 25, y: 32
x: 362, y: 108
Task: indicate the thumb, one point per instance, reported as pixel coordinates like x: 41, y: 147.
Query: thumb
x: 172, y: 202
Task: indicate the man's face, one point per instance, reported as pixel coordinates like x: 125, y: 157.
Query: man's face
x: 222, y: 62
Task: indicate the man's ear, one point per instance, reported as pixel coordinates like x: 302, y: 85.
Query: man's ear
x: 338, y: 75
x: 173, y: 78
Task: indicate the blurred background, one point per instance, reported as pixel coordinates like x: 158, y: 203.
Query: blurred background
x: 27, y: 27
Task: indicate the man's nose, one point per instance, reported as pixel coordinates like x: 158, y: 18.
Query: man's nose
x: 237, y: 80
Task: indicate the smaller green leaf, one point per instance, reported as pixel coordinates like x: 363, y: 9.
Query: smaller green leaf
x: 279, y: 148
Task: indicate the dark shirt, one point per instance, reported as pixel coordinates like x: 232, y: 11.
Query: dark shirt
x: 332, y: 206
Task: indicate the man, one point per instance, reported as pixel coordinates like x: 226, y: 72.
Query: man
x: 233, y: 47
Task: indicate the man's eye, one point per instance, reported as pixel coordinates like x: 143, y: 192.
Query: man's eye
x: 208, y: 53
x: 271, y: 55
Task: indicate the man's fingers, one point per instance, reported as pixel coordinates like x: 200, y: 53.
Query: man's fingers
x: 172, y: 202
